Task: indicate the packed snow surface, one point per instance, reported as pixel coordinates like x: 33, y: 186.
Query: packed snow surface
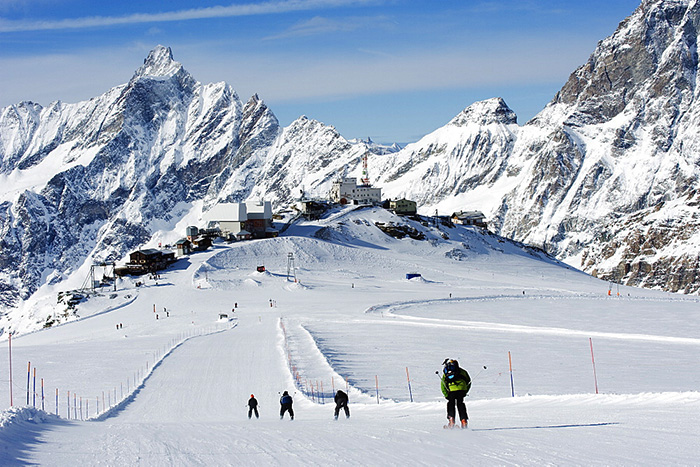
x: 170, y: 385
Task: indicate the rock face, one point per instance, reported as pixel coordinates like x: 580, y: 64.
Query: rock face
x: 606, y: 176
x: 93, y: 180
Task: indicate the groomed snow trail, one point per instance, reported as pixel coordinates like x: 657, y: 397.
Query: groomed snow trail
x: 191, y: 411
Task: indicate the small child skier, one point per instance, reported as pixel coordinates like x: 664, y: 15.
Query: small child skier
x: 341, y: 402
x: 286, y: 405
x: 253, y: 407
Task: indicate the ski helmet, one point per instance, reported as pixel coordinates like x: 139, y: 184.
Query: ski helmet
x: 451, y: 367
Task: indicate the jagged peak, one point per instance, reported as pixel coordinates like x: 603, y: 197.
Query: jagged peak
x: 254, y: 102
x: 159, y: 63
x: 494, y: 110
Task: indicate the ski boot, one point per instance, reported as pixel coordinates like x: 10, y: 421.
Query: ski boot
x: 450, y: 423
x: 464, y: 424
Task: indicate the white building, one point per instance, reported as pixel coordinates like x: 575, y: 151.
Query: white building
x: 251, y: 217
x: 229, y: 217
x: 346, y: 191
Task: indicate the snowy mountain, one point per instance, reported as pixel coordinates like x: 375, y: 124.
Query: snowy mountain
x: 91, y: 181
x: 605, y: 177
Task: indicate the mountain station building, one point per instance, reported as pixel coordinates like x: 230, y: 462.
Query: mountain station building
x: 347, y: 191
x: 242, y: 220
x: 476, y: 218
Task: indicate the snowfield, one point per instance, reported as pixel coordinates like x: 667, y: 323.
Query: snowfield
x: 170, y: 386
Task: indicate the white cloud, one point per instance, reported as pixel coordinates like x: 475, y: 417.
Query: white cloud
x: 269, y: 7
x: 320, y: 25
x: 285, y: 77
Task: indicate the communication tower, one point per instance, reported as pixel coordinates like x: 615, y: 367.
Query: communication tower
x: 365, y: 173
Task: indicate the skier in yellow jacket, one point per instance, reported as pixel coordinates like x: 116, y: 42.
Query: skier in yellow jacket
x: 455, y: 384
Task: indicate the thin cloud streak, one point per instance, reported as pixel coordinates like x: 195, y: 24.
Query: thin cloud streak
x: 250, y: 9
x: 319, y: 25
x: 281, y: 78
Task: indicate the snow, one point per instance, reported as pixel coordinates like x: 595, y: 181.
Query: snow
x: 178, y: 385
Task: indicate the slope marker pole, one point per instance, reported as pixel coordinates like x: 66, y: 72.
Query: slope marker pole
x: 408, y: 379
x: 376, y: 382
x: 595, y: 377
x: 510, y: 366
x: 29, y: 372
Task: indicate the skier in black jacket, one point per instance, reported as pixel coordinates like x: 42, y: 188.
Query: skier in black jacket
x: 286, y: 405
x: 253, y: 407
x: 341, y: 402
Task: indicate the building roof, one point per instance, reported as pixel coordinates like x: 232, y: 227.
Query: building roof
x: 149, y: 251
x: 227, y: 212
x: 468, y: 214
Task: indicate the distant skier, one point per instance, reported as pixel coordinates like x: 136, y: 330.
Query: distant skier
x: 341, y: 402
x: 253, y: 407
x: 286, y: 405
x: 455, y: 384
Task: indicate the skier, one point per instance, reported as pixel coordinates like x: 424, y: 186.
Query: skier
x: 286, y: 405
x: 341, y: 402
x: 253, y: 407
x: 455, y: 385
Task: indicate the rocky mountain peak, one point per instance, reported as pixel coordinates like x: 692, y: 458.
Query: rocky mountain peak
x: 650, y: 54
x: 494, y: 110
x: 159, y: 64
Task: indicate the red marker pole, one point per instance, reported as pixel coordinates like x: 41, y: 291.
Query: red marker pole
x: 42, y: 393
x: 408, y: 379
x: 376, y: 382
x: 595, y: 377
x: 510, y: 366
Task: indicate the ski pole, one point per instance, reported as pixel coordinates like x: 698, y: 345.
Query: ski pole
x: 480, y: 371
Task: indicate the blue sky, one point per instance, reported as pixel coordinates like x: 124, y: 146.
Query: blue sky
x: 387, y: 69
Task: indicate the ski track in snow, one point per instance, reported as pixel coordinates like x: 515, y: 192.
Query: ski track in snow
x: 393, y: 310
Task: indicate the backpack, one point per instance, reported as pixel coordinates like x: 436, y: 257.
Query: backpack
x: 455, y: 378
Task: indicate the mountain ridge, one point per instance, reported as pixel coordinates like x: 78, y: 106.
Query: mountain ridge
x: 604, y: 177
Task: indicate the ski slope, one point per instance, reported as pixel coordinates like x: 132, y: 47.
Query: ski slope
x: 174, y: 389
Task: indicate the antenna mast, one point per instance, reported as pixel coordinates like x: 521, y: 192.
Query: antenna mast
x: 365, y: 173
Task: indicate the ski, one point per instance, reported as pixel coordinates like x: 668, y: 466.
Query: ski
x: 448, y: 427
